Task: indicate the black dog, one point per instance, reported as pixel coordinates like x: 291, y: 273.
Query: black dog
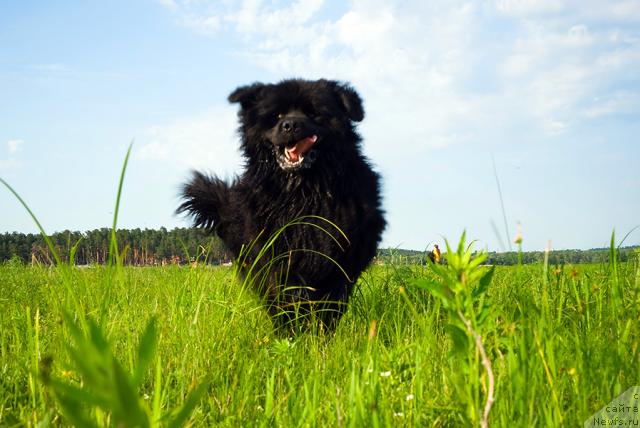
x: 304, y: 218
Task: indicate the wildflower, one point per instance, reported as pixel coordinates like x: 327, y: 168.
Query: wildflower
x: 398, y: 414
x: 572, y: 371
x: 385, y: 374
x: 410, y: 397
x: 518, y: 239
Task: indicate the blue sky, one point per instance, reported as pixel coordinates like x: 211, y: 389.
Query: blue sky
x: 549, y: 90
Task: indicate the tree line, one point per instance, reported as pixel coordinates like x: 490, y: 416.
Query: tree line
x: 148, y: 247
x: 555, y: 257
x: 559, y: 257
x: 141, y: 247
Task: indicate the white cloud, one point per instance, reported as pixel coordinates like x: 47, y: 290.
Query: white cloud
x: 169, y: 4
x: 412, y: 54
x: 626, y: 10
x: 205, y: 25
x: 200, y: 16
x: 454, y: 69
x: 206, y: 140
x: 557, y: 70
x: 247, y: 16
x: 625, y: 102
x: 529, y: 7
x: 13, y: 146
x: 11, y: 162
x: 254, y: 17
x: 565, y: 10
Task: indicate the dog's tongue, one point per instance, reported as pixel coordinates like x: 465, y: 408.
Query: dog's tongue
x: 300, y: 148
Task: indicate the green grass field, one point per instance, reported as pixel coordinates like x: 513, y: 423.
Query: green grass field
x: 563, y: 342
x: 419, y: 346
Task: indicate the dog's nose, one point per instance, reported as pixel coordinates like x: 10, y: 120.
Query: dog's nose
x: 292, y: 126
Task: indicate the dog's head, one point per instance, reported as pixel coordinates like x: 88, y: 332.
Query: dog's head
x: 296, y: 121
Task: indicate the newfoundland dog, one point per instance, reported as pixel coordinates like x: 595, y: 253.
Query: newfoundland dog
x: 304, y: 219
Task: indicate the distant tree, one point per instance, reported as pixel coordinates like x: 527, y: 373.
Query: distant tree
x: 151, y: 246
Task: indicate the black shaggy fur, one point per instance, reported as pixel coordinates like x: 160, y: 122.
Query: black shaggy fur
x: 311, y: 265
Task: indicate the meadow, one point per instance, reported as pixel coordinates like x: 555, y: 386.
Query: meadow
x: 192, y: 345
x: 461, y: 344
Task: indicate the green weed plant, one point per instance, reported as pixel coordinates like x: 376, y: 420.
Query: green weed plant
x: 96, y: 390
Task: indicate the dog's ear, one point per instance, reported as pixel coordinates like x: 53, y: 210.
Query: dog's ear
x: 350, y: 100
x: 246, y: 95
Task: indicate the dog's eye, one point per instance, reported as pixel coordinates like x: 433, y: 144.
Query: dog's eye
x: 280, y: 116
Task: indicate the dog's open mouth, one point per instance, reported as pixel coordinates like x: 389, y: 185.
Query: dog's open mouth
x: 293, y: 157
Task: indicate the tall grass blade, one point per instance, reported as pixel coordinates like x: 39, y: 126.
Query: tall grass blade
x: 114, y: 242
x: 35, y: 219
x: 146, y: 349
x: 156, y: 409
x: 130, y: 413
x: 190, y: 403
x: 504, y: 212
x: 633, y: 229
